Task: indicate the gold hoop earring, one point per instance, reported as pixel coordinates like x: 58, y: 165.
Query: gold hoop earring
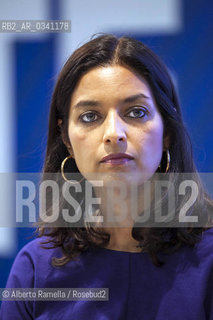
x: 62, y: 171
x: 167, y: 161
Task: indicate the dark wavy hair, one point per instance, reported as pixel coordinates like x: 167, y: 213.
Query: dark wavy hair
x: 103, y: 51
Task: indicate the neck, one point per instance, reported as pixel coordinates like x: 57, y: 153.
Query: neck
x: 121, y: 239
x: 119, y: 227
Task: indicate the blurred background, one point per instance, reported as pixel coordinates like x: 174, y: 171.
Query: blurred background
x: 179, y: 31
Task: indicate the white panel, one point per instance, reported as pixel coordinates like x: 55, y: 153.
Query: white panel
x: 7, y: 110
x: 8, y: 242
x: 23, y: 9
x: 7, y: 145
x: 121, y: 16
x: 12, y: 10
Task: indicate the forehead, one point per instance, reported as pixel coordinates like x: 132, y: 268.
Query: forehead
x: 113, y: 80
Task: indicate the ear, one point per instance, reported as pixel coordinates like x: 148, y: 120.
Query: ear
x: 69, y: 148
x: 66, y: 143
x: 166, y: 142
x: 59, y: 122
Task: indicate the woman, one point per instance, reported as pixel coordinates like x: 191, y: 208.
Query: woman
x: 115, y: 116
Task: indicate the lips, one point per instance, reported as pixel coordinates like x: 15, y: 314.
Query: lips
x: 117, y: 158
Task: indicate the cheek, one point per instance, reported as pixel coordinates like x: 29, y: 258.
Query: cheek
x: 77, y: 141
x: 77, y: 137
x: 152, y: 141
x: 156, y: 131
x: 81, y: 145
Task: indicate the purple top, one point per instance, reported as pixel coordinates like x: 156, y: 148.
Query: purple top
x: 181, y: 289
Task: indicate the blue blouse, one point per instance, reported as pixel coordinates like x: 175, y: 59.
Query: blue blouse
x: 181, y: 289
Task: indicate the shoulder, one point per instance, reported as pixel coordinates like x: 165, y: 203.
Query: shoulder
x: 205, y: 246
x: 203, y: 251
x: 36, y: 251
x: 32, y: 257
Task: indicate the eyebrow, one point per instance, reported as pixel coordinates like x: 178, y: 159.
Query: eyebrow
x: 94, y: 103
x: 136, y: 97
x: 86, y: 103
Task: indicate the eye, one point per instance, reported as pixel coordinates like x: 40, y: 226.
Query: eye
x: 89, y: 117
x: 137, y: 113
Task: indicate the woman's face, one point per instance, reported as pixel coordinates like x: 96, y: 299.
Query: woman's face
x: 113, y: 113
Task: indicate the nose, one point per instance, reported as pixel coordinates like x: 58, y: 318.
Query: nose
x: 114, y: 129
